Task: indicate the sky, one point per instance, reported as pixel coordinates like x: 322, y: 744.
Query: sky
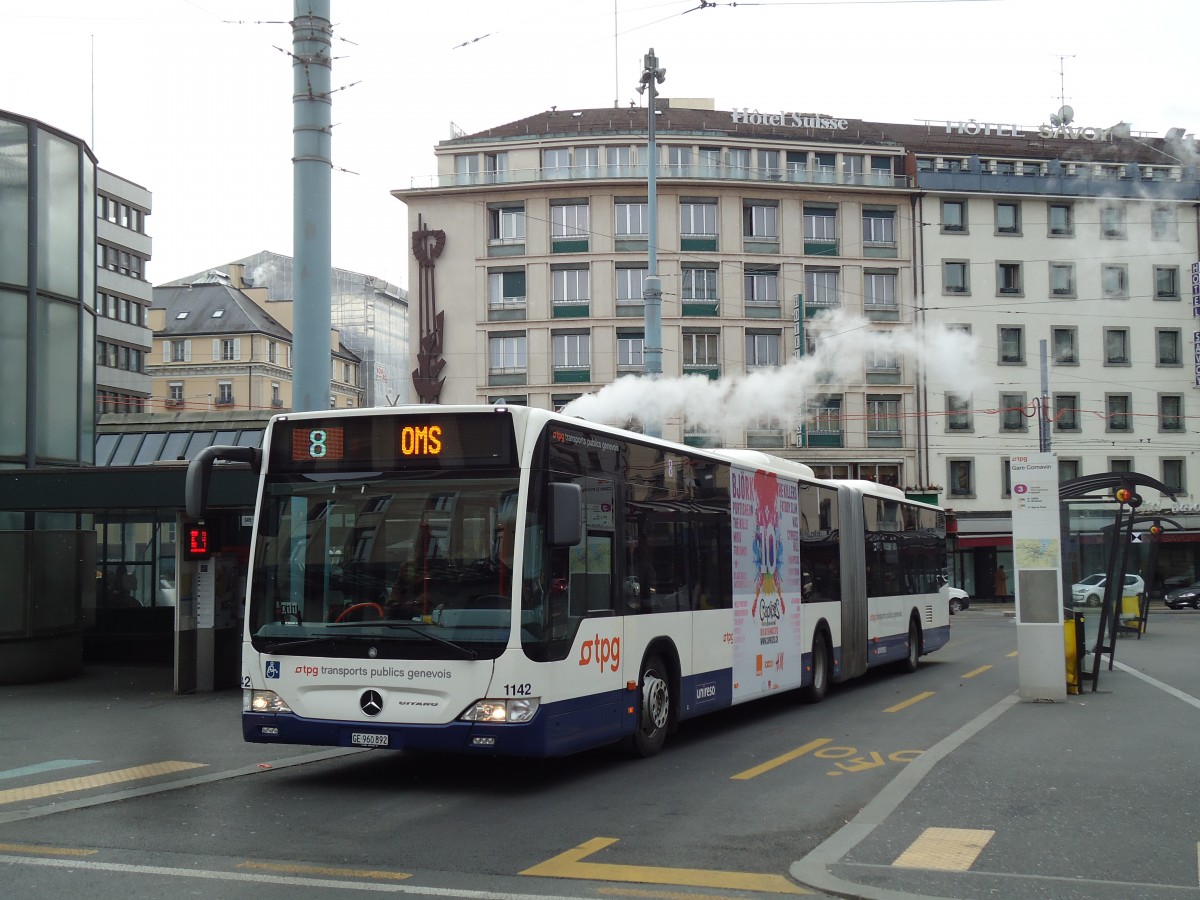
x: 192, y: 98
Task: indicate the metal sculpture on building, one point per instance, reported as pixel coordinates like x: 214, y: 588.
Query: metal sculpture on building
x: 427, y: 246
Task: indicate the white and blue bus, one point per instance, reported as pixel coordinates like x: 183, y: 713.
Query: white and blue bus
x: 505, y: 580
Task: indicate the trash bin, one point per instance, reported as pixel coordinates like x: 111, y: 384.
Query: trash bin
x: 1073, y: 637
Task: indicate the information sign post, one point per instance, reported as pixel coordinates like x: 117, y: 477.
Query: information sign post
x: 1037, y: 557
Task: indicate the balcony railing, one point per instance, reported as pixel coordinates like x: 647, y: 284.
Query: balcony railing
x: 664, y: 171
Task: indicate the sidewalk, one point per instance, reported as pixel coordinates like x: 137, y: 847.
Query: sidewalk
x: 1094, y: 797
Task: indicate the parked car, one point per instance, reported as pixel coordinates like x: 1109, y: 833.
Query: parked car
x: 1184, y: 596
x: 1090, y: 591
x: 959, y: 599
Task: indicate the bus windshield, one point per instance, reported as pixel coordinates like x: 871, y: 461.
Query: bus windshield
x: 357, y: 564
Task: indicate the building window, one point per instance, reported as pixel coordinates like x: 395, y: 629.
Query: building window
x: 763, y: 349
x: 1117, y: 412
x: 1068, y: 469
x: 571, y: 350
x: 955, y: 277
x: 1012, y: 412
x: 1170, y: 412
x: 679, y: 160
x: 1166, y: 282
x: 506, y: 290
x: 760, y: 220
x: 1066, y: 412
x: 619, y: 162
x: 276, y: 396
x: 228, y: 349
x: 272, y: 352
x: 180, y: 350
x: 224, y: 393
x: 1114, y: 282
x: 631, y: 284
x: 571, y: 287
x: 1112, y: 221
x: 954, y: 216
x: 506, y: 225
x: 761, y: 284
x: 961, y: 477
x: 698, y: 224
x: 701, y: 350
x: 1116, y: 346
x: 507, y: 354
x: 879, y: 292
x: 175, y: 394
x: 879, y: 362
x: 879, y: 226
x: 1065, y: 345
x: 1120, y: 464
x: 1173, y: 476
x: 1164, y: 225
x: 631, y: 219
x: 1168, y: 342
x: 569, y: 227
x: 958, y: 413
x: 883, y: 415
x: 466, y: 168
x: 556, y: 163
x: 1008, y: 278
x: 737, y: 160
x: 1012, y: 345
x: 1008, y: 217
x: 768, y: 165
x: 495, y: 167
x: 699, y: 283
x: 821, y: 287
x: 820, y: 228
x: 1062, y: 220
x: 631, y: 350
x: 1062, y: 279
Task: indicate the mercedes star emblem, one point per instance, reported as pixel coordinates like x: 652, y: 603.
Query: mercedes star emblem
x: 371, y: 703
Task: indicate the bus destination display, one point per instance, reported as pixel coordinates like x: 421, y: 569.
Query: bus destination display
x: 389, y: 441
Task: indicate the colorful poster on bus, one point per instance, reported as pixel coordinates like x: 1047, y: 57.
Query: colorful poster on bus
x: 767, y: 631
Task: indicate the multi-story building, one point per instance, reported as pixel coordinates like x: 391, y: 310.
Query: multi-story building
x: 122, y: 294
x: 530, y: 254
x: 371, y: 315
x: 216, y: 347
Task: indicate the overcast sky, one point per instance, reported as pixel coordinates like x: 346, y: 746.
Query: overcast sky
x: 192, y: 98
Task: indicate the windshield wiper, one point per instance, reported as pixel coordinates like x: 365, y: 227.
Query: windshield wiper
x: 465, y: 651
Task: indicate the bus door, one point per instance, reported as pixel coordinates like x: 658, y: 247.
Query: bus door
x: 854, y: 585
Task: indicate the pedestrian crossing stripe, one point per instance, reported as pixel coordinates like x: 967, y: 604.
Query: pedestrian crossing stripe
x: 100, y: 779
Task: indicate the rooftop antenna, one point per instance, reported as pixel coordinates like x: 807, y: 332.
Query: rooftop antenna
x: 1065, y: 115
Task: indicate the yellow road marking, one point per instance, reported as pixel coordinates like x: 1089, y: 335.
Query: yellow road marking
x: 570, y: 865
x: 325, y: 870
x: 1011, y: 655
x: 780, y: 760
x: 101, y: 779
x: 945, y: 849
x: 978, y: 671
x: 46, y: 851
x: 924, y: 695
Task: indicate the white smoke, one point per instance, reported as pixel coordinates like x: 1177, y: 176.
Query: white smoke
x: 842, y: 345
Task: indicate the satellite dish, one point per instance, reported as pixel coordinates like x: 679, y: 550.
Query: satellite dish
x: 1066, y: 115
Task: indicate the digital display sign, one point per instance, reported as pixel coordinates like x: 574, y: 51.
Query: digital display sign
x: 389, y: 441
x: 196, y: 544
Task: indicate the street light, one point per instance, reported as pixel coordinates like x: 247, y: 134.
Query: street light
x: 652, y: 75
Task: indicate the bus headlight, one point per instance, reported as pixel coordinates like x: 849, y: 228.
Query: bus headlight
x: 263, y: 702
x: 520, y: 709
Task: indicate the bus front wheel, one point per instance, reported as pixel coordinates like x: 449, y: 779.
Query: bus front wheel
x: 815, y: 690
x: 654, y: 707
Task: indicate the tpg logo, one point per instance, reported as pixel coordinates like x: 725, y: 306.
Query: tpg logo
x: 602, y: 651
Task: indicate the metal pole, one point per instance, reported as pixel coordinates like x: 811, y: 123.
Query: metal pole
x: 1044, y: 419
x: 652, y: 75
x: 312, y: 168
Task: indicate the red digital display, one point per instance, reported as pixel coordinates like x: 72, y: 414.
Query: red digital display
x: 196, y: 546
x: 325, y: 443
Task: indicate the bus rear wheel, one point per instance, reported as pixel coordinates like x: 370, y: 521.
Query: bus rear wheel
x: 913, y: 656
x: 654, y: 707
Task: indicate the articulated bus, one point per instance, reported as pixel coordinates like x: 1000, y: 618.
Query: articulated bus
x: 509, y: 581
